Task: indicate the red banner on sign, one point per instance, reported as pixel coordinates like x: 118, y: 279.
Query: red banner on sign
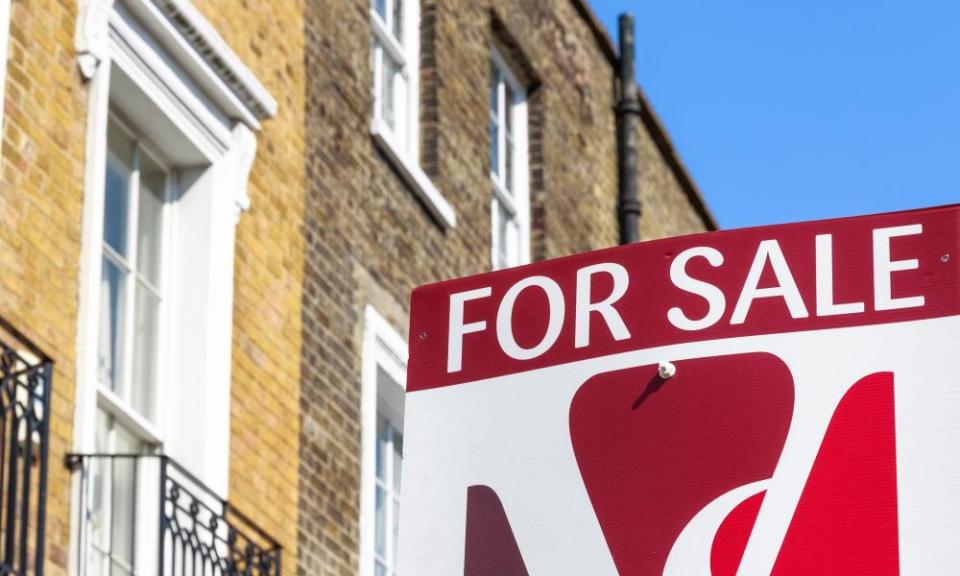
x: 816, y: 275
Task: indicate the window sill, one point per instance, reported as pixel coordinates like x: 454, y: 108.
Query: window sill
x: 415, y: 177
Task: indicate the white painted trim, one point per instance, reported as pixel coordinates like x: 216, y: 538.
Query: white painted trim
x: 522, y: 194
x: 193, y: 27
x: 200, y: 225
x: 501, y: 63
x: 402, y: 146
x: 214, y: 122
x: 127, y: 417
x: 244, y: 150
x: 407, y: 54
x: 204, y: 127
x: 84, y: 421
x: 519, y: 203
x: 162, y: 85
x: 91, y: 35
x: 385, y: 348
x: 503, y: 196
x: 414, y: 176
x: 192, y: 41
x: 388, y: 41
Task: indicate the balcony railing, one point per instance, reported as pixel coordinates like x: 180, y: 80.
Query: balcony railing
x: 25, y: 376
x: 146, y: 515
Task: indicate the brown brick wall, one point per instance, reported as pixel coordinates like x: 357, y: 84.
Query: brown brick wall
x: 668, y: 199
x: 369, y: 240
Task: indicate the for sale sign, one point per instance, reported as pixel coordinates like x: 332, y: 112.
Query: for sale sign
x: 781, y: 400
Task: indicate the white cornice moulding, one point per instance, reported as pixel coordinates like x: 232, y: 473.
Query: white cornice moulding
x: 218, y: 54
x: 183, y: 26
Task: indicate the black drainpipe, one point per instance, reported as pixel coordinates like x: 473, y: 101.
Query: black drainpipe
x: 628, y: 110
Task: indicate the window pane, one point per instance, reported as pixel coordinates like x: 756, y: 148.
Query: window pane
x: 494, y: 147
x: 126, y: 442
x: 96, y: 561
x: 503, y: 219
x: 109, y: 354
x: 98, y: 487
x: 145, y: 352
x: 380, y: 569
x: 123, y: 502
x: 400, y: 107
x: 123, y: 506
x: 398, y: 20
x: 117, y: 192
x: 391, y: 73
x: 102, y: 430
x: 396, y: 530
x: 113, y: 514
x: 508, y: 108
x: 380, y: 7
x: 513, y: 241
x: 492, y: 88
x: 153, y: 181
x: 508, y: 240
x: 508, y: 177
x: 397, y: 458
x: 380, y: 538
x: 382, y: 448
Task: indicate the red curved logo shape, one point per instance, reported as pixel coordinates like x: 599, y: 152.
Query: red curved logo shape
x: 654, y: 453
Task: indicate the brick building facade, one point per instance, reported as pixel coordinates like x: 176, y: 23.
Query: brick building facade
x: 212, y: 215
x: 209, y: 94
x: 372, y: 234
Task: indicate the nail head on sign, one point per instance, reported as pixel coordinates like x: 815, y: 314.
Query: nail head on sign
x: 666, y: 369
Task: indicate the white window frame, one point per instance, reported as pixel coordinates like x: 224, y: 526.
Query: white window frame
x: 405, y: 137
x: 172, y: 76
x: 402, y: 146
x: 517, y: 203
x: 110, y: 402
x: 383, y: 348
x: 150, y: 434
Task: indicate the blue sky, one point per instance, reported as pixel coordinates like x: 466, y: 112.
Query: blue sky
x: 789, y: 111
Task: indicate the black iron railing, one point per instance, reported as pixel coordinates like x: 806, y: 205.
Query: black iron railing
x: 25, y: 377
x: 146, y: 514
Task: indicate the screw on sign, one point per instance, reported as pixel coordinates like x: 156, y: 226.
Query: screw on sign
x: 780, y: 400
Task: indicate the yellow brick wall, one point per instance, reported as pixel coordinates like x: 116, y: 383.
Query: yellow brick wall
x: 40, y: 217
x: 41, y: 201
x: 265, y: 426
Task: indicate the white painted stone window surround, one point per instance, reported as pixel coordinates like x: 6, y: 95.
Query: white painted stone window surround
x: 160, y: 71
x: 509, y: 166
x: 395, y: 62
x: 382, y: 391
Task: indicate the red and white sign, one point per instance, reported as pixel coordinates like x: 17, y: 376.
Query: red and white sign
x: 781, y: 400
